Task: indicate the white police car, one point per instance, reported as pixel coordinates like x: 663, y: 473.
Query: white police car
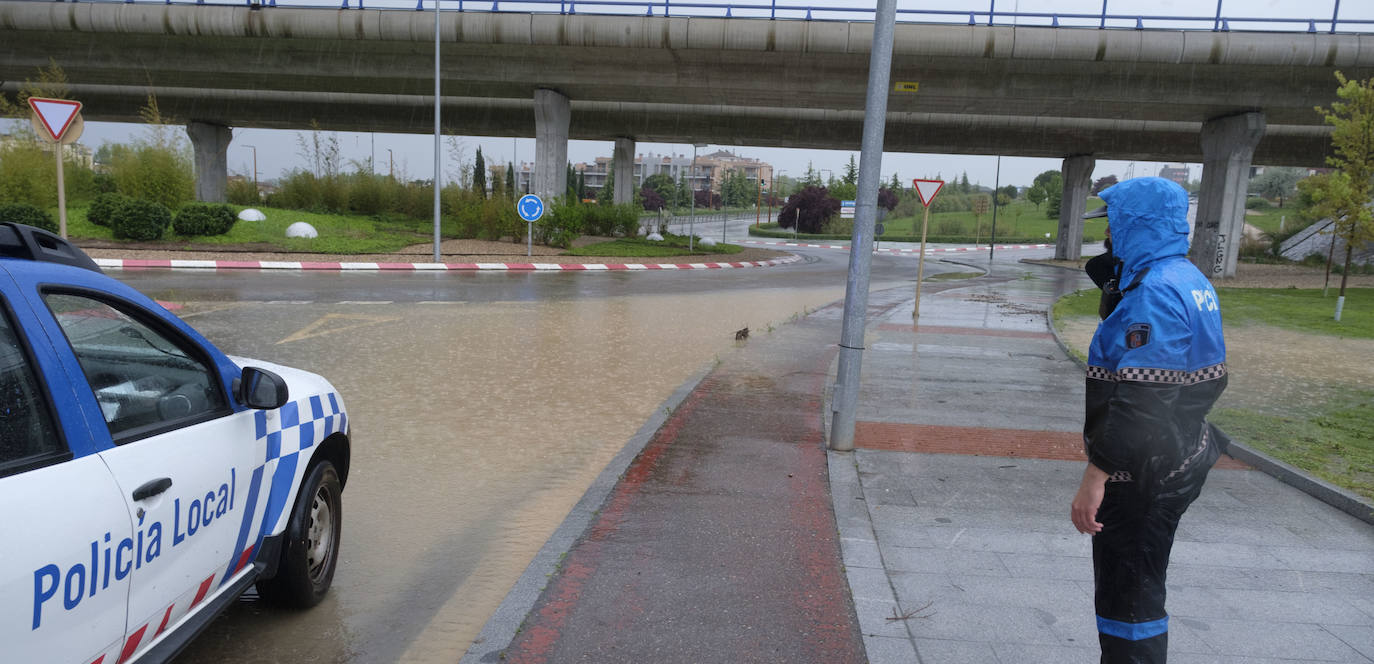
x: 146, y: 479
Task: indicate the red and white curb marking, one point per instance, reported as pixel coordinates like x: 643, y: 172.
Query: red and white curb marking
x: 177, y: 264
x: 929, y: 250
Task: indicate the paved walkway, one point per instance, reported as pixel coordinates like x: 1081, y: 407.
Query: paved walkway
x: 952, y: 516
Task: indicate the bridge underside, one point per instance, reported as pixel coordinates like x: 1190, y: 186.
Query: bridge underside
x: 933, y: 133
x: 1226, y: 99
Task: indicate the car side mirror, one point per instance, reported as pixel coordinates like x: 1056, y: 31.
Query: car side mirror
x: 261, y: 389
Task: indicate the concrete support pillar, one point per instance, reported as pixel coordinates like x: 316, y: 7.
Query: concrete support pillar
x: 210, y: 142
x: 1078, y: 173
x: 624, y: 157
x: 552, y: 113
x: 1228, y: 143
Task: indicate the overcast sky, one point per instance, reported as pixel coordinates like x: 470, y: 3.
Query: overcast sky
x: 413, y: 154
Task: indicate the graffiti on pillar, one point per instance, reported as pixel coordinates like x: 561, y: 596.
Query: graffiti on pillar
x: 1220, y: 265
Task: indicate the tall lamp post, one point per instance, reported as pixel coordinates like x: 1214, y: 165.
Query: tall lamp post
x: 391, y: 164
x: 254, y: 148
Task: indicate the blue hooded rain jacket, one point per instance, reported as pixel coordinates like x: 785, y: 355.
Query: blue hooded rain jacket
x: 1158, y: 362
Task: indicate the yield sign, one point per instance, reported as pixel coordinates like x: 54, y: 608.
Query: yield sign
x: 55, y: 115
x: 927, y: 189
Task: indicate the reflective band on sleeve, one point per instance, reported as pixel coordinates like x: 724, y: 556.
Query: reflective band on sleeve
x: 1132, y: 631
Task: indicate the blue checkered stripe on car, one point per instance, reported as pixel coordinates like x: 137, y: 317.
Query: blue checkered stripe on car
x: 298, y: 426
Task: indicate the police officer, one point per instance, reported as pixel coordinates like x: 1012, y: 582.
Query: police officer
x: 1156, y: 365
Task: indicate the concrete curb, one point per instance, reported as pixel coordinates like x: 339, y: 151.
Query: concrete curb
x: 1322, y: 490
x: 505, y: 623
x: 934, y: 250
x: 179, y: 264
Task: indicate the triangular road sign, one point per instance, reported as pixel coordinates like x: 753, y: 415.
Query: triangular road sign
x: 55, y: 115
x: 927, y: 189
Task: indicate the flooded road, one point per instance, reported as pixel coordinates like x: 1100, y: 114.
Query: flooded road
x: 482, y: 407
x: 476, y: 428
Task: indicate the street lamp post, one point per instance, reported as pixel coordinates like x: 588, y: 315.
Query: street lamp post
x: 391, y: 164
x: 254, y: 148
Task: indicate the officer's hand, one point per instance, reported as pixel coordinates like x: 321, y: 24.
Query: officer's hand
x: 1089, y: 498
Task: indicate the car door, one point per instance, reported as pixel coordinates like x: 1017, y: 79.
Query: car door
x: 183, y: 459
x: 66, y: 538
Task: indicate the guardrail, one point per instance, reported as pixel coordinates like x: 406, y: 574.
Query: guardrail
x: 773, y: 10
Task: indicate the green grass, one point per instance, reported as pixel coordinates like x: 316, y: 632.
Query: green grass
x: 339, y: 234
x: 1304, y: 310
x: 672, y: 245
x: 1017, y: 219
x: 1268, y: 218
x: 1333, y: 443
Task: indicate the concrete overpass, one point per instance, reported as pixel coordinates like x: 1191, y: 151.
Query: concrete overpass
x: 1222, y: 98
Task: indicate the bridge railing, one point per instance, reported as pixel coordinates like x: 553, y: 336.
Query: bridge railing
x: 1363, y: 22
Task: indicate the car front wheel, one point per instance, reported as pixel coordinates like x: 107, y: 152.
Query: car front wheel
x: 310, y: 551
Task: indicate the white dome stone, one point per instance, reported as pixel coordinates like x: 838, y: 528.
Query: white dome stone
x: 301, y: 229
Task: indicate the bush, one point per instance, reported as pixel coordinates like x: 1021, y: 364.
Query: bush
x: 103, y: 206
x: 1257, y: 203
x: 561, y: 224
x: 23, y: 213
x: 242, y: 192
x: 203, y: 219
x: 611, y: 220
x: 156, y: 174
x: 140, y: 220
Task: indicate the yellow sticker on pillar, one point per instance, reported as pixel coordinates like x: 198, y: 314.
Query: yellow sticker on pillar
x: 906, y: 86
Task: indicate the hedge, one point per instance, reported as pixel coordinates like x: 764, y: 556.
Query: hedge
x: 23, y: 213
x: 140, y: 220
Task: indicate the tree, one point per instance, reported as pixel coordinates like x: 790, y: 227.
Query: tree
x: 705, y: 198
x: 1044, y: 178
x: 812, y: 177
x: 808, y: 210
x: 1036, y: 195
x: 1352, y: 140
x: 851, y: 173
x: 735, y: 189
x: 684, y: 194
x: 1007, y: 194
x: 479, y: 174
x: 895, y: 184
x: 582, y: 185
x: 571, y: 181
x: 887, y: 199
x: 653, y: 201
x: 964, y: 187
x: 1103, y: 183
x: 663, y: 185
x: 1277, y: 183
x: 510, y: 179
x: 607, y: 194
x: 1054, y: 194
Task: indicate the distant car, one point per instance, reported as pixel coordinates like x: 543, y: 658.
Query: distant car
x: 146, y: 478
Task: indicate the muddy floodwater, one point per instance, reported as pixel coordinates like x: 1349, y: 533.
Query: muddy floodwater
x: 476, y: 427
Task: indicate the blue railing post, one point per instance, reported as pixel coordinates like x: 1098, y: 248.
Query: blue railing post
x: 1335, y: 13
x: 1216, y: 23
x: 345, y: 5
x: 1103, y: 23
x: 727, y: 12
x: 666, y: 7
x: 971, y: 19
x: 992, y: 9
x: 496, y: 5
x: 1139, y: 24
x: 773, y: 13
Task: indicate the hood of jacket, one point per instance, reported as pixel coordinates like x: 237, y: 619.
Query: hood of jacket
x: 1149, y: 221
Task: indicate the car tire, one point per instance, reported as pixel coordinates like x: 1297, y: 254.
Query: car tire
x: 310, y: 550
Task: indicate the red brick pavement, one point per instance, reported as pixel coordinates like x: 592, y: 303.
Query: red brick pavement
x: 981, y: 441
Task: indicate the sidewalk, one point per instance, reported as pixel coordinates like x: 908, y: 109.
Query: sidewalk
x: 954, y: 544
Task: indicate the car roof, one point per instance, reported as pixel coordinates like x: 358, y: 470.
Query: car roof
x: 26, y: 244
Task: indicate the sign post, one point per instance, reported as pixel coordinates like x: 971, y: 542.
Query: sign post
x: 926, y: 189
x: 59, y: 121
x: 530, y: 208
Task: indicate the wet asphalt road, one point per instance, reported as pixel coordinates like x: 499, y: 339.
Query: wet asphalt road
x: 482, y: 406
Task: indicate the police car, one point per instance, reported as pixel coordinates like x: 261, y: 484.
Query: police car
x: 146, y: 479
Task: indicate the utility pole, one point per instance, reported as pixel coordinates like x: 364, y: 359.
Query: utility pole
x: 255, y: 167
x: 846, y: 394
